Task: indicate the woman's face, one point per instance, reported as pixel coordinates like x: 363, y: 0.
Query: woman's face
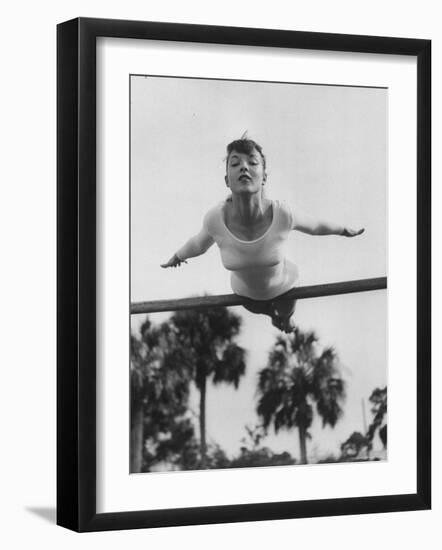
x: 245, y: 172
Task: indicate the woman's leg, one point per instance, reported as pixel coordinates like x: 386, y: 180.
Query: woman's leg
x: 279, y: 310
x: 264, y: 307
x: 283, y: 311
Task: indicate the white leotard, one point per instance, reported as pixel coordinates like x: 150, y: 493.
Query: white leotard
x: 258, y: 268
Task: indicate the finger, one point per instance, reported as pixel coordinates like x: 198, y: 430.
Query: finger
x: 354, y: 232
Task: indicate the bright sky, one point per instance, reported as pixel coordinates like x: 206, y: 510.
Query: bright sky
x: 327, y: 156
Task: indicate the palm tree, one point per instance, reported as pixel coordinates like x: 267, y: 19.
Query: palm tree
x: 209, y: 336
x: 159, y: 379
x: 295, y: 378
x: 137, y: 381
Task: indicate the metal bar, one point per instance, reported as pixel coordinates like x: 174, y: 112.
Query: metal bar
x: 299, y: 293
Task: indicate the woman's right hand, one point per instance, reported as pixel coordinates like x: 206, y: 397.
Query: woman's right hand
x: 174, y: 262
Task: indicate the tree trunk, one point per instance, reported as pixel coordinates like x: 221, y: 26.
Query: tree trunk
x: 303, y: 444
x: 136, y: 438
x: 203, y: 448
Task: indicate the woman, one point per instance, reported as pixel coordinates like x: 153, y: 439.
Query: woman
x: 250, y: 231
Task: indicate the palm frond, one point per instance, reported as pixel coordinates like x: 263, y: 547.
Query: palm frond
x: 231, y: 367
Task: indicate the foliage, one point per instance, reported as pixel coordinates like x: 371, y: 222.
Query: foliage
x: 159, y: 370
x: 160, y: 379
x: 252, y: 455
x: 188, y: 457
x: 353, y: 445
x: 295, y: 379
x: 378, y: 398
x: 209, y: 337
x: 192, y: 345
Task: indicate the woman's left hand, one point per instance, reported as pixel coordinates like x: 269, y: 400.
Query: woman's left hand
x: 348, y: 232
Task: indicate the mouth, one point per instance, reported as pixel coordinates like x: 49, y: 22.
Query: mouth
x: 245, y: 178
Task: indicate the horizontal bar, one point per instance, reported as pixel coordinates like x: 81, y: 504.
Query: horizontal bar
x: 299, y: 293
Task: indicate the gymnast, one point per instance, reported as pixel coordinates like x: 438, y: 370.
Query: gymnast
x: 250, y: 231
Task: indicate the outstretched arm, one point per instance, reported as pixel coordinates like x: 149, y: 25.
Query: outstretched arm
x: 309, y: 225
x: 195, y: 246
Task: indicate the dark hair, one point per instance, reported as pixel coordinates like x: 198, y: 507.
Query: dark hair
x: 245, y: 146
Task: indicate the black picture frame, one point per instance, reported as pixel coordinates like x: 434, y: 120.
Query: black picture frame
x: 77, y: 286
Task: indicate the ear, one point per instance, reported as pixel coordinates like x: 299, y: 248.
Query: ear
x: 226, y: 180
